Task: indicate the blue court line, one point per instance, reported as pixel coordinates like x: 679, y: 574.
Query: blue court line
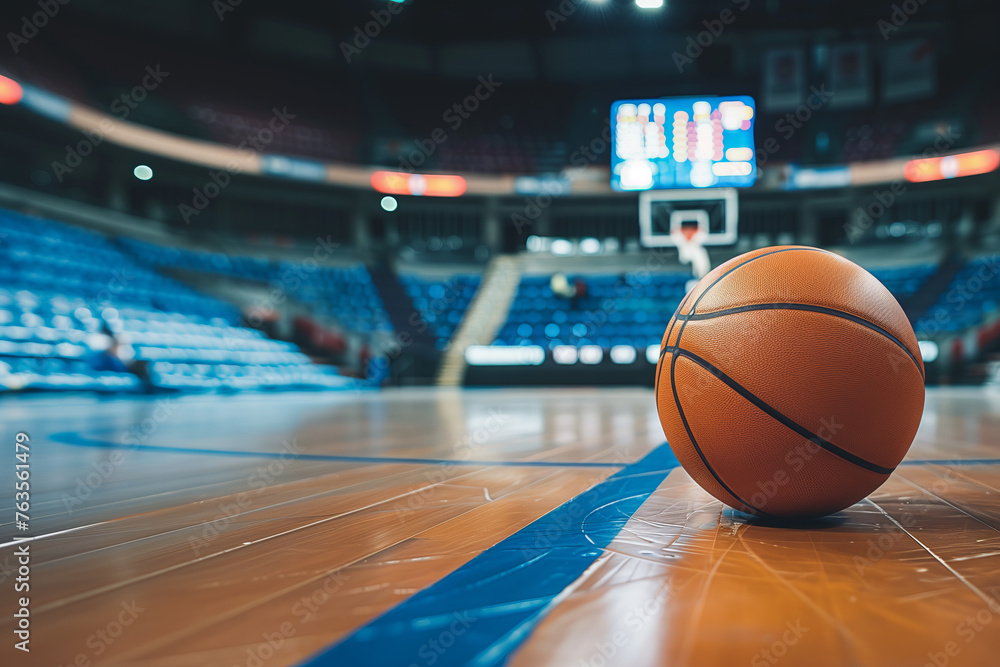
x: 480, y: 613
x: 950, y: 462
x: 75, y: 439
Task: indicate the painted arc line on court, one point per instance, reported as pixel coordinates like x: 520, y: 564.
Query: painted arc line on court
x: 488, y: 606
x: 76, y: 440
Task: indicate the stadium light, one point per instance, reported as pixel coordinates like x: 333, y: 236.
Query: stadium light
x: 10, y: 91
x: 430, y: 185
x: 649, y: 4
x: 389, y: 204
x: 142, y: 172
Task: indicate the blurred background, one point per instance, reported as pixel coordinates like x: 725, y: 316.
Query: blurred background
x: 239, y: 195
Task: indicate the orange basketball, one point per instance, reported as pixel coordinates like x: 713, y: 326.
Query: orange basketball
x: 790, y: 382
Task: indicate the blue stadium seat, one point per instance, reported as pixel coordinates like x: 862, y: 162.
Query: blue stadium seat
x: 61, y: 287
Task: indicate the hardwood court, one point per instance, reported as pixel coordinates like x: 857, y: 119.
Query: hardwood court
x: 420, y: 527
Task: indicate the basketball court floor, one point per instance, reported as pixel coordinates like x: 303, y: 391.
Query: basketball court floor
x: 437, y: 527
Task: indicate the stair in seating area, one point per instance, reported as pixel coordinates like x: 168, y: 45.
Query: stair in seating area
x: 925, y: 297
x: 486, y: 314
x: 403, y: 315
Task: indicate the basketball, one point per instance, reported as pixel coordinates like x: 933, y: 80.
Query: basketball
x: 790, y: 383
x: 462, y: 333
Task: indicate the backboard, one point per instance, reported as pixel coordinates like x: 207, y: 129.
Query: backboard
x: 663, y: 213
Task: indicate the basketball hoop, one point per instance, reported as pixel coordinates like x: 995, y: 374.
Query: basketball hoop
x: 689, y: 240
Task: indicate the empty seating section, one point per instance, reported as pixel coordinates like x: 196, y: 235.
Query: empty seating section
x: 64, y: 289
x: 45, y: 342
x: 904, y: 281
x: 45, y: 256
x: 974, y: 292
x: 441, y: 302
x: 344, y: 293
x: 189, y: 353
x: 630, y: 309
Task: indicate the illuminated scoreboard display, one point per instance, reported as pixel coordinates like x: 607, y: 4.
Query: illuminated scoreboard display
x: 682, y: 142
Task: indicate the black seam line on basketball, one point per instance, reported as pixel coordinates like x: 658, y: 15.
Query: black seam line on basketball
x: 778, y: 416
x: 676, y: 318
x: 677, y: 400
x: 673, y: 379
x: 701, y: 455
x: 812, y: 309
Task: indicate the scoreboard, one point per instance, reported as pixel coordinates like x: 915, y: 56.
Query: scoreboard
x: 682, y: 142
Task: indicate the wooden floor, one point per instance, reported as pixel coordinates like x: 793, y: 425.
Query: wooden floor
x: 522, y: 527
